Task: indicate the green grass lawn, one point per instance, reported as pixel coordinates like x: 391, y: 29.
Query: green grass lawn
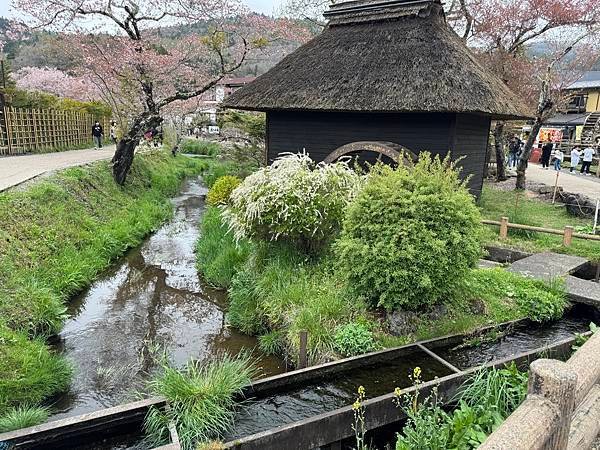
x: 495, y: 204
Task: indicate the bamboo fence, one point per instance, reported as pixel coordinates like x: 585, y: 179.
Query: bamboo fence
x: 44, y: 130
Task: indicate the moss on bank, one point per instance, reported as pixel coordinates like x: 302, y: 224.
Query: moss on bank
x: 57, y: 235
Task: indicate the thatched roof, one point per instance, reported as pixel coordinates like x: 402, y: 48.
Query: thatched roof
x: 381, y: 56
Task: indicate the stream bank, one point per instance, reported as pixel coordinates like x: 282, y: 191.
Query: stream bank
x: 149, y: 303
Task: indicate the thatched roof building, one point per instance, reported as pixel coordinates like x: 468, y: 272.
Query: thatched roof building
x: 383, y: 70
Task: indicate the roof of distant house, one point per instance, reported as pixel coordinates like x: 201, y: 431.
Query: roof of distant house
x: 237, y: 81
x: 589, y: 79
x: 382, y: 56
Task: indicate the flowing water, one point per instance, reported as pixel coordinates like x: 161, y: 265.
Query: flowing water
x: 151, y: 300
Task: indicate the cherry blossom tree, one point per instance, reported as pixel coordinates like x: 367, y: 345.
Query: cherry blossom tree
x: 502, y: 32
x: 139, y: 70
x: 57, y: 82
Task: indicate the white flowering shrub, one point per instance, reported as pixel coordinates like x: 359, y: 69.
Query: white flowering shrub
x: 293, y: 200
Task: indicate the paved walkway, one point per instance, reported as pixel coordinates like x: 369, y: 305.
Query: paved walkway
x: 17, y: 169
x: 575, y: 183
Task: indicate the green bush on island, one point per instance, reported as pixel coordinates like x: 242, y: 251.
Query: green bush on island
x: 411, y: 235
x: 221, y: 191
x: 294, y: 200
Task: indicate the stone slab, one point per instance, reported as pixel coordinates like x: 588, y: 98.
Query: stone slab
x: 486, y: 264
x: 547, y: 266
x: 583, y: 291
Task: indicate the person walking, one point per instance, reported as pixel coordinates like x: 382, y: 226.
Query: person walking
x: 513, y: 151
x: 546, y: 153
x: 575, y: 155
x: 588, y: 156
x: 113, y: 132
x: 97, y: 133
x: 558, y: 157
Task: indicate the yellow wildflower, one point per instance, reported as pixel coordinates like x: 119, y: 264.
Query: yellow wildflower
x: 356, y: 405
x: 361, y: 390
x: 397, y: 392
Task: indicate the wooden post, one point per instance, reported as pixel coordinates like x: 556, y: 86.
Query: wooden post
x: 556, y: 382
x: 568, y: 236
x: 303, y: 357
x: 596, y: 214
x: 503, y: 227
x: 555, y: 187
x: 598, y: 272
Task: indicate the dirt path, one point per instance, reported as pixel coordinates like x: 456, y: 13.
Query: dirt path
x: 575, y: 183
x: 17, y: 169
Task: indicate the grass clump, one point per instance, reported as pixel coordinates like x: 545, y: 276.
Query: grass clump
x: 29, y: 371
x: 23, y: 416
x: 283, y: 292
x: 198, y: 147
x: 201, y: 398
x: 218, y: 256
x: 504, y: 292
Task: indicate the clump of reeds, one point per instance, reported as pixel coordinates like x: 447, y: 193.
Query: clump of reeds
x: 200, y: 397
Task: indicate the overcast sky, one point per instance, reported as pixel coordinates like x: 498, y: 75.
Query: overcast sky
x: 262, y: 6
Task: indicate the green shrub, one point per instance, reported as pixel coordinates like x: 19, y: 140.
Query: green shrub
x: 220, y: 168
x: 411, y: 235
x: 220, y: 191
x: 294, y: 201
x: 353, y: 339
x: 201, y: 399
x: 29, y: 371
x: 197, y: 147
x: 218, y: 256
x: 24, y: 416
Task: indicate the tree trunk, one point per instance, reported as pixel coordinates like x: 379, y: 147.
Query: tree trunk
x: 499, y: 146
x: 524, y: 158
x: 123, y: 157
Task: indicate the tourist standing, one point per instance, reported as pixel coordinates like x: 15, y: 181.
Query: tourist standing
x: 513, y: 151
x: 588, y: 156
x: 575, y: 155
x: 97, y: 134
x: 546, y: 153
x: 113, y: 132
x: 558, y: 157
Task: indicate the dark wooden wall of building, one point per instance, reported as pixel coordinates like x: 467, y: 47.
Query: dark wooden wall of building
x: 320, y: 133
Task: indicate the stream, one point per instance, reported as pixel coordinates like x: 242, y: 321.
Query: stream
x: 151, y: 301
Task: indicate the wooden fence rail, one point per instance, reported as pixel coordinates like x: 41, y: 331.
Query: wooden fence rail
x: 43, y: 130
x: 568, y: 233
x: 562, y: 408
